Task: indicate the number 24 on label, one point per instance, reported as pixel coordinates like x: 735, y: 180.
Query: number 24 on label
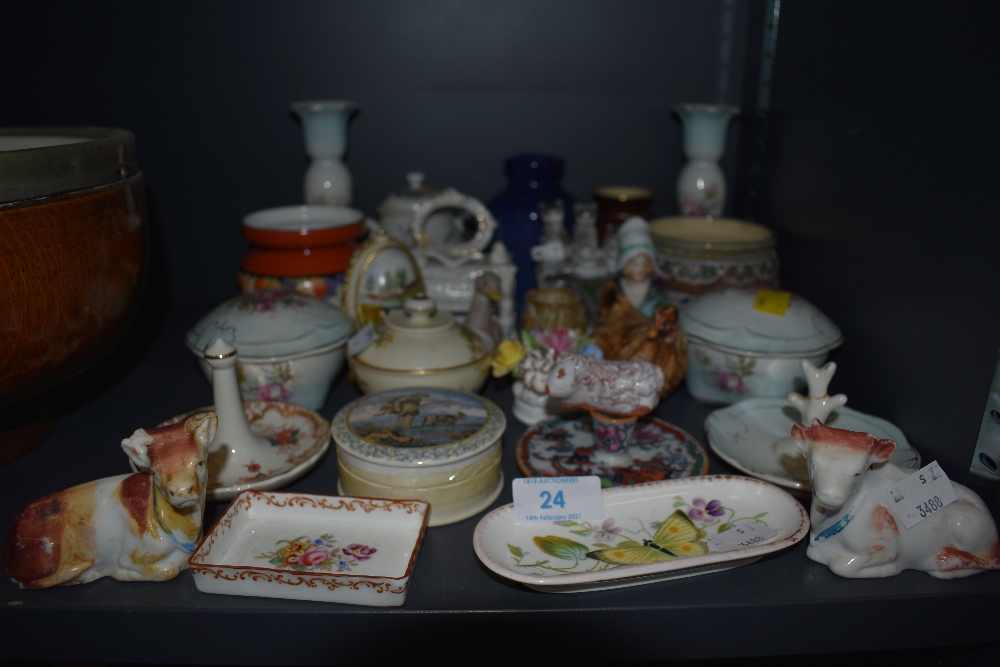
x: 548, y: 502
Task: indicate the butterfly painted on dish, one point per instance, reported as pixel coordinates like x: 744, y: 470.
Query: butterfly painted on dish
x: 678, y: 537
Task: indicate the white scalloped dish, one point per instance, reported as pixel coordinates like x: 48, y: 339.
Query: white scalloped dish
x: 302, y: 546
x: 753, y: 437
x: 556, y: 557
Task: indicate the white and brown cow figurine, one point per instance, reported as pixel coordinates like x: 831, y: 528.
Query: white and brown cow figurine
x: 138, y: 527
x: 854, y: 532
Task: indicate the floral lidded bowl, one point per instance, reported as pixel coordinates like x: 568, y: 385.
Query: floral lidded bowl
x: 423, y: 346
x: 438, y: 445
x: 746, y: 343
x: 291, y: 345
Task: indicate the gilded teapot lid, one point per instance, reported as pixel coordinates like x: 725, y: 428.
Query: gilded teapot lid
x: 420, y: 337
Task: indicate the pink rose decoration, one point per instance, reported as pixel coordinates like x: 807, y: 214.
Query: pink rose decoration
x: 729, y: 382
x: 314, y: 556
x: 558, y: 339
x: 273, y: 392
x: 359, y: 551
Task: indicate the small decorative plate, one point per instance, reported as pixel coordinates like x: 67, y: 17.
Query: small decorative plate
x: 299, y: 436
x: 754, y: 436
x: 562, y: 446
x: 577, y: 556
x: 382, y: 275
x: 309, y: 547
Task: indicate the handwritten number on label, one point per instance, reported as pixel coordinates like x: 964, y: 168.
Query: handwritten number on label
x: 930, y: 506
x: 549, y: 501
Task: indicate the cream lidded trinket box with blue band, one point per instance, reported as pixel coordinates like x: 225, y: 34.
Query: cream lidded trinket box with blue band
x: 438, y: 445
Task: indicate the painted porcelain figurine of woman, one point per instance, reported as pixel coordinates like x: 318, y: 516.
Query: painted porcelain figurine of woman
x: 636, y: 319
x: 637, y: 268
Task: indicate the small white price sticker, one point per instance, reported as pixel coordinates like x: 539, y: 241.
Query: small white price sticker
x: 740, y: 536
x: 360, y: 341
x: 538, y: 499
x: 922, y: 494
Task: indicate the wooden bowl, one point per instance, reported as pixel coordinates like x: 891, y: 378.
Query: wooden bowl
x: 73, y: 248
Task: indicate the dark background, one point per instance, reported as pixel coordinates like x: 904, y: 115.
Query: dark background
x: 868, y: 143
x: 446, y: 87
x: 871, y: 153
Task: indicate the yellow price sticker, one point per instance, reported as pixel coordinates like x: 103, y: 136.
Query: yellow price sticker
x: 772, y: 301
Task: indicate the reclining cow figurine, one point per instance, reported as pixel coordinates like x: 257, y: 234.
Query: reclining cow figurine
x: 854, y: 532
x: 138, y: 527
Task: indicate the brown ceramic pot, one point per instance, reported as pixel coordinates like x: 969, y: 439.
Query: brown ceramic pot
x: 549, y: 308
x: 72, y: 251
x: 618, y: 203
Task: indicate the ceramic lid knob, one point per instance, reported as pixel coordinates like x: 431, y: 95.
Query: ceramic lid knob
x: 419, y: 308
x: 415, y: 180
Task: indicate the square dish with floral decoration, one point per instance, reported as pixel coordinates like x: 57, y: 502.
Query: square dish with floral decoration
x: 311, y: 547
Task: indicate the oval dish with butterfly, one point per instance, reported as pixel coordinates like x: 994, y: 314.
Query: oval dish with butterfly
x: 649, y: 532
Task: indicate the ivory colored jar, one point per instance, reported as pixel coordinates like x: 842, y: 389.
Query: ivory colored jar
x: 426, y: 443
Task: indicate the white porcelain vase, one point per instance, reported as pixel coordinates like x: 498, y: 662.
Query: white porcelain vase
x: 701, y: 185
x: 324, y: 123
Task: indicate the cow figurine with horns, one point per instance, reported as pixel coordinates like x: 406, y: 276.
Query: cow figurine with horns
x: 138, y: 527
x: 854, y: 532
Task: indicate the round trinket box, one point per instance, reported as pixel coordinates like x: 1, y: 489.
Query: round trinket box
x: 426, y: 443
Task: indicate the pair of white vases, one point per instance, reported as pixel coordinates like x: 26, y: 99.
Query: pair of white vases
x: 701, y: 185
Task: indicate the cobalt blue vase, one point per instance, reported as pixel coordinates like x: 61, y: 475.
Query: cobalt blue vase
x: 531, y: 178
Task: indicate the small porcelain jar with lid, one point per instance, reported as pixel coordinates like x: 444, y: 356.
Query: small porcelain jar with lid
x: 291, y: 345
x: 422, y: 346
x: 438, y: 445
x: 745, y: 343
x: 397, y: 210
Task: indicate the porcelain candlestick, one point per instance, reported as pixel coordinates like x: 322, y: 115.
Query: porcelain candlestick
x: 324, y: 123
x: 701, y: 185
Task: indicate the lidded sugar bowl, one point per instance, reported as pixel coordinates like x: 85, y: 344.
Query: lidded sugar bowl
x: 422, y: 346
x: 291, y: 345
x: 438, y: 445
x: 745, y: 343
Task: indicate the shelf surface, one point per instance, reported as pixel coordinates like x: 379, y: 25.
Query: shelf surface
x: 783, y: 604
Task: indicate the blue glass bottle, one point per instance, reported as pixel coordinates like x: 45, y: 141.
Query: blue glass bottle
x: 531, y: 178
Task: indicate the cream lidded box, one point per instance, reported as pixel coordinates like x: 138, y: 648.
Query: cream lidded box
x: 438, y: 445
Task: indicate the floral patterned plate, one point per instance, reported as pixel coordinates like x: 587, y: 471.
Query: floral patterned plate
x: 299, y: 439
x: 754, y: 436
x: 565, y: 446
x: 309, y: 547
x: 650, y: 532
